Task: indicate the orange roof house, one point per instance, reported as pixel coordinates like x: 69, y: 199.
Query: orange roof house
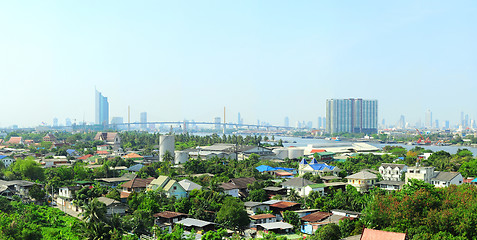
x: 371, y: 234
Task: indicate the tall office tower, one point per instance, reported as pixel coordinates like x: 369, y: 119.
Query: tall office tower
x: 402, y: 122
x: 353, y: 115
x: 102, y: 109
x: 143, y: 117
x: 68, y: 122
x: 384, y: 123
x: 217, y: 123
x: 239, y: 119
x: 437, y: 124
x: 447, y: 124
x: 319, y: 123
x: 462, y: 123
x: 429, y: 119
x: 323, y: 124
x: 287, y: 122
x: 466, y: 121
x: 55, y: 122
x: 309, y: 125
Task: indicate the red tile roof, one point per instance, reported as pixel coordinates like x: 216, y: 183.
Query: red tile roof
x: 468, y: 180
x: 262, y: 216
x: 85, y: 157
x: 371, y: 234
x: 284, y: 204
x: 133, y: 155
x: 283, y: 173
x: 137, y: 183
x: 317, y: 150
x: 125, y: 194
x: 15, y: 140
x: 102, y: 152
x: 169, y: 214
x: 316, y: 217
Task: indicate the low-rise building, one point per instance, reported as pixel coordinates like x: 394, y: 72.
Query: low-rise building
x: 165, y: 220
x: 7, y: 160
x: 445, y: 179
x: 392, y: 172
x: 317, y: 168
x: 113, y: 206
x: 362, y: 181
x: 237, y: 187
x: 262, y: 218
x: 253, y: 207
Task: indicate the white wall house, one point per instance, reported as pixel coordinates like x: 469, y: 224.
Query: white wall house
x: 445, y: 179
x: 392, y: 172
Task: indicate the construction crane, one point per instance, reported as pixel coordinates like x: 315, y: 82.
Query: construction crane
x: 421, y: 139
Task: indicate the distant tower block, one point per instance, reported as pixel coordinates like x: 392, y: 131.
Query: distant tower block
x: 166, y: 144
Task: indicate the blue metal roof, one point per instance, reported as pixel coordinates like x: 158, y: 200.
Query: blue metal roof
x: 70, y: 151
x: 2, y: 156
x: 265, y: 168
x: 284, y: 169
x: 303, y: 161
x: 475, y: 180
x: 321, y: 166
x: 313, y: 161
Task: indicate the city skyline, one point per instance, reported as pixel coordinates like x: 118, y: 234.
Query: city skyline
x: 179, y: 61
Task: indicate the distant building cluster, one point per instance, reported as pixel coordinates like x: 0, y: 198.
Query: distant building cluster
x: 351, y: 116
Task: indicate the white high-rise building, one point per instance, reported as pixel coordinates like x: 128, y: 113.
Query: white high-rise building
x: 352, y: 116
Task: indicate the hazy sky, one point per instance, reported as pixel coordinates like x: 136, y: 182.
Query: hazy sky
x: 265, y: 59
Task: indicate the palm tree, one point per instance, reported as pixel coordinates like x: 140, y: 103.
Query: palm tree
x: 95, y: 211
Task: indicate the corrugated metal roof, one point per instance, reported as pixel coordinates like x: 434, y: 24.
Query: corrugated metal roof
x: 276, y: 225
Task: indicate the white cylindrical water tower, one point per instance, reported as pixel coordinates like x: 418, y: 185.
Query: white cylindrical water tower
x: 281, y: 153
x: 181, y: 157
x: 295, y: 153
x: 166, y: 144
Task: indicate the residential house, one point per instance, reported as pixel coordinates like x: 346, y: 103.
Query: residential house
x: 304, y: 212
x: 66, y: 196
x: 392, y: 172
x: 169, y: 185
x: 199, y: 226
x: 390, y: 185
x: 317, y: 187
x: 72, y: 153
x: 346, y: 213
x: 445, y: 179
x: 134, y: 185
x: 110, y: 138
x: 6, y: 160
x: 362, y: 181
x: 311, y: 222
x: 165, y: 220
x: 188, y: 186
x: 253, y: 207
x: 115, y: 181
x: 237, y: 186
x: 113, y: 206
x: 49, y: 138
x: 133, y: 156
x: 437, y: 178
x: 262, y: 218
x: 18, y: 187
x: 273, y: 191
x: 15, y: 140
x: 275, y: 227
x: 297, y: 184
x: 317, y: 168
x: 372, y: 234
x: 282, y: 206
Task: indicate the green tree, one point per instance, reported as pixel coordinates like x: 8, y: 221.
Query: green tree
x: 37, y: 193
x: 232, y: 215
x: 328, y: 232
x: 28, y: 169
x: 258, y: 195
x: 292, y: 218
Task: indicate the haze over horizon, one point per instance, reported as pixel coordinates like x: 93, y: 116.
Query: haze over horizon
x: 270, y: 59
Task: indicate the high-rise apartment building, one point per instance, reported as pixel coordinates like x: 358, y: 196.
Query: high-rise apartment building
x: 352, y: 116
x: 217, y: 123
x: 402, y: 122
x: 287, y: 122
x: 143, y: 117
x: 101, y: 109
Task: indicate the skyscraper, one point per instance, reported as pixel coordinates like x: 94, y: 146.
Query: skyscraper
x: 143, y: 116
x: 287, y: 122
x: 402, y: 122
x: 429, y: 119
x: 102, y: 109
x: 68, y: 122
x: 55, y: 122
x: 352, y: 116
x: 319, y: 123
